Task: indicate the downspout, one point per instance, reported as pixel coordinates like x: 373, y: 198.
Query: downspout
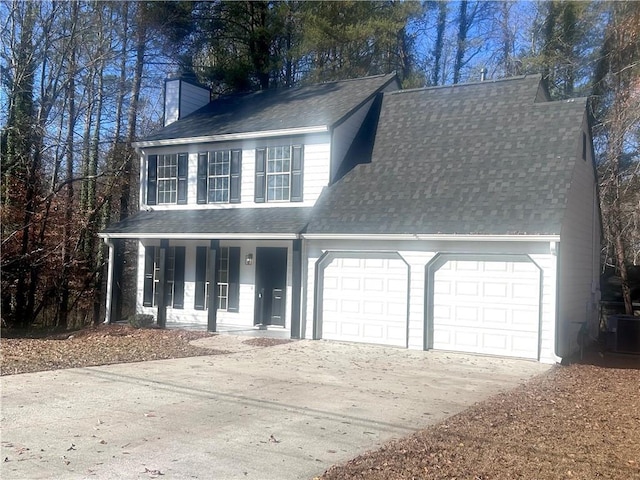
x: 107, y: 309
x: 554, y: 249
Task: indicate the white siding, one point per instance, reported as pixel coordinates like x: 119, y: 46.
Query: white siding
x: 579, y: 253
x: 171, y: 101
x: 315, y: 173
x: 344, y: 134
x: 548, y: 264
x: 192, y: 98
x: 182, y: 98
x: 189, y: 315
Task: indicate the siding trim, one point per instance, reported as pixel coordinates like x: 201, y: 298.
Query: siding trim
x: 233, y: 136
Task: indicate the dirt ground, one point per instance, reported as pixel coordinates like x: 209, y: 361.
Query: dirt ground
x: 580, y: 421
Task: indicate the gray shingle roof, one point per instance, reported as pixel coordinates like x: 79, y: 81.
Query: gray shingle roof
x: 310, y: 106
x: 480, y: 158
x: 284, y: 220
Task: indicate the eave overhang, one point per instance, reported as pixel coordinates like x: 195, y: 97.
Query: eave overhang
x: 433, y: 237
x: 225, y: 137
x: 201, y: 236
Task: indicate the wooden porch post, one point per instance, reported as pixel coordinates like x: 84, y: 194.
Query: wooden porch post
x: 296, y: 288
x: 212, y: 278
x: 162, y: 276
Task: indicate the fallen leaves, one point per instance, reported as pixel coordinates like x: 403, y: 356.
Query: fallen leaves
x: 102, y: 345
x: 578, y: 422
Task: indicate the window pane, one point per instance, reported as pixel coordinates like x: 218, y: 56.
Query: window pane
x: 223, y: 280
x: 278, y: 173
x: 219, y: 165
x: 170, y: 260
x: 167, y: 178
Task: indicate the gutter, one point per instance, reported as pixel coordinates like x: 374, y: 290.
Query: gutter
x: 232, y: 136
x: 202, y: 236
x: 434, y: 237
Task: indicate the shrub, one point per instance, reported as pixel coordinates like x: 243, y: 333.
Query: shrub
x: 141, y: 320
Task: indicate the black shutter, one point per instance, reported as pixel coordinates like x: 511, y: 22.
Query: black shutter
x: 296, y: 174
x: 234, y: 279
x: 183, y: 169
x: 149, y: 257
x: 203, y: 166
x: 178, y: 278
x: 201, y: 277
x: 235, y: 179
x: 152, y: 179
x: 260, y: 175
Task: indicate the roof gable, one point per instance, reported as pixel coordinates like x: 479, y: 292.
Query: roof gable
x: 324, y: 104
x: 486, y: 158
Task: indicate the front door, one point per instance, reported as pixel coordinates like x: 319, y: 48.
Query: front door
x: 271, y: 286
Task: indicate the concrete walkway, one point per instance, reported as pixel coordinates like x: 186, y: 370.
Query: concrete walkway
x: 282, y: 412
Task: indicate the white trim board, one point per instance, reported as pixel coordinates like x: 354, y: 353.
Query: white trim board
x: 232, y: 136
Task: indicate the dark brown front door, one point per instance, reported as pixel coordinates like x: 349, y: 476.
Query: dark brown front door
x: 271, y: 286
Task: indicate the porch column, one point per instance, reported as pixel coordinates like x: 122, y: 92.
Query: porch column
x: 162, y: 275
x: 212, y: 278
x: 296, y: 287
x: 113, y: 303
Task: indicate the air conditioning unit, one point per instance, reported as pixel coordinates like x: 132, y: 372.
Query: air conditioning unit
x: 623, y: 334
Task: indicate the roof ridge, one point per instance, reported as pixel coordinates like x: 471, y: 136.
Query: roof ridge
x: 466, y: 84
x: 267, y: 91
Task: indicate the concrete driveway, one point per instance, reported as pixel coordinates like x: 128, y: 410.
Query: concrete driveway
x: 283, y: 412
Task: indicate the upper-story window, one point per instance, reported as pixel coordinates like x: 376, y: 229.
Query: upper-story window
x: 167, y: 179
x: 279, y: 174
x: 219, y: 176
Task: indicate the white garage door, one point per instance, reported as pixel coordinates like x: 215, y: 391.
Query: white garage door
x: 365, y: 300
x: 487, y: 307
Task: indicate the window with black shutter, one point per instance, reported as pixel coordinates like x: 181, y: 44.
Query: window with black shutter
x: 167, y: 178
x: 152, y: 179
x: 174, y: 278
x: 228, y: 275
x: 279, y: 174
x: 219, y: 176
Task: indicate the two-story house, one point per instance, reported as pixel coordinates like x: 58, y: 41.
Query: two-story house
x: 461, y: 218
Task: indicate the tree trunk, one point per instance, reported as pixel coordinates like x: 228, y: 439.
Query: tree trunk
x: 67, y: 245
x: 439, y: 44
x: 141, y: 45
x: 463, y: 28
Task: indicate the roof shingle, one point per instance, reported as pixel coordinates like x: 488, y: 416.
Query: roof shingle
x: 250, y: 221
x: 322, y: 104
x: 480, y: 158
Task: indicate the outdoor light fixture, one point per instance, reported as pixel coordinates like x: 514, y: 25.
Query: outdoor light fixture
x: 248, y: 260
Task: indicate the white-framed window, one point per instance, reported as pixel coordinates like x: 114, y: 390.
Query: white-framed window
x: 167, y: 179
x: 218, y: 176
x: 223, y: 281
x: 278, y: 173
x: 227, y: 278
x: 170, y: 260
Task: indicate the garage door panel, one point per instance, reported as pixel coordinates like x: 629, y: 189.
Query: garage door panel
x: 487, y: 307
x: 374, y: 308
x: 371, y: 296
